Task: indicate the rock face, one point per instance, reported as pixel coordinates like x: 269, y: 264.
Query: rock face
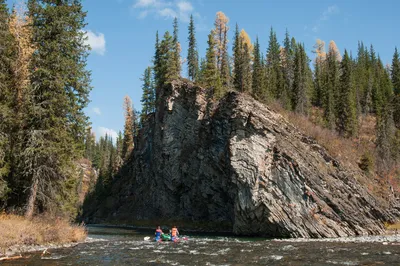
x: 239, y: 164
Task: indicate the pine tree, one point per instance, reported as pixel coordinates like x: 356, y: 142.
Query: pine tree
x: 158, y: 75
x: 128, y: 143
x: 237, y: 60
x: 332, y: 82
x: 287, y: 65
x: 319, y: 73
x: 395, y: 75
x: 210, y: 72
x: 257, y: 84
x: 346, y: 106
x: 176, y: 54
x: 60, y: 86
x: 274, y: 71
x: 148, y: 101
x: 302, y: 81
x: 193, y: 56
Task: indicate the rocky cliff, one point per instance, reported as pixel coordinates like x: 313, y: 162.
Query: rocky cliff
x: 241, y: 165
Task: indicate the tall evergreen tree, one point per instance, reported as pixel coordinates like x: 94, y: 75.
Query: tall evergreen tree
x: 60, y: 86
x: 210, y: 72
x: 128, y: 141
x: 287, y: 65
x: 395, y: 75
x: 302, y: 81
x: 274, y: 71
x: 332, y: 83
x: 148, y: 98
x: 193, y: 56
x: 176, y: 53
x: 237, y: 60
x: 258, y: 73
x: 346, y: 123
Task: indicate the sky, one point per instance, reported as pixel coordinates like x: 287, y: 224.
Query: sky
x: 122, y: 36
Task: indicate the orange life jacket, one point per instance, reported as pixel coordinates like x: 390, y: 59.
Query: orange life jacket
x: 173, y: 231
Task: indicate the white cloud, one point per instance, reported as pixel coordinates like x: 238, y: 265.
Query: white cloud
x: 327, y: 13
x: 96, y: 41
x: 109, y: 132
x: 167, y: 13
x: 184, y: 6
x: 96, y: 110
x: 180, y: 9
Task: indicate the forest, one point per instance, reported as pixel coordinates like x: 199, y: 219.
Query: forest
x: 44, y: 88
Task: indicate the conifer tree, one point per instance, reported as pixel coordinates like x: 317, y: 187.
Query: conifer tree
x: 302, y: 81
x: 128, y: 144
x: 176, y: 54
x: 60, y: 86
x: 157, y: 65
x: 148, y: 99
x: 274, y: 72
x: 210, y: 72
x: 319, y: 73
x: 257, y: 84
x: 193, y: 56
x: 395, y: 75
x: 237, y: 60
x: 331, y: 88
x: 287, y: 65
x: 346, y: 123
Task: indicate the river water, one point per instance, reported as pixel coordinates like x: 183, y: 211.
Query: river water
x: 113, y: 246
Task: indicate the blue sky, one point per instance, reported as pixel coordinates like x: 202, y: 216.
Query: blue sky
x: 122, y: 35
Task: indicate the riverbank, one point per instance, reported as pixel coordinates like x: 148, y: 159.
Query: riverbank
x: 20, y: 235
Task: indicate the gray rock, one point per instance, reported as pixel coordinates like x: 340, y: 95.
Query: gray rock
x: 238, y: 166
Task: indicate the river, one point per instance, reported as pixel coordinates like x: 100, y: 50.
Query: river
x: 117, y: 246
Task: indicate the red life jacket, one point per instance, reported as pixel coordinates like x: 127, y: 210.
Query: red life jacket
x: 173, y: 231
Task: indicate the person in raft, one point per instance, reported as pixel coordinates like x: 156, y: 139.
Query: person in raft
x: 174, y: 233
x: 158, y: 233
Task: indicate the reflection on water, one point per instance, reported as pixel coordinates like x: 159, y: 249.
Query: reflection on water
x: 113, y: 246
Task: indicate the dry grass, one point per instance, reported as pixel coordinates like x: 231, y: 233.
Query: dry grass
x: 347, y: 151
x: 16, y: 230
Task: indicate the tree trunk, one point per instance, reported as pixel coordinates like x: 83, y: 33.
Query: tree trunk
x: 32, y: 199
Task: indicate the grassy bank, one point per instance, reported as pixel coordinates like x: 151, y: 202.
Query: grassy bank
x: 18, y: 231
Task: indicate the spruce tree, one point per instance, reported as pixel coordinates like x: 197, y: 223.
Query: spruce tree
x: 210, y: 72
x: 331, y: 87
x: 148, y: 99
x: 274, y: 72
x: 257, y: 84
x: 395, y: 75
x: 59, y: 91
x: 287, y: 65
x: 175, y: 66
x: 346, y: 123
x: 302, y: 81
x: 193, y: 56
x: 237, y: 60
